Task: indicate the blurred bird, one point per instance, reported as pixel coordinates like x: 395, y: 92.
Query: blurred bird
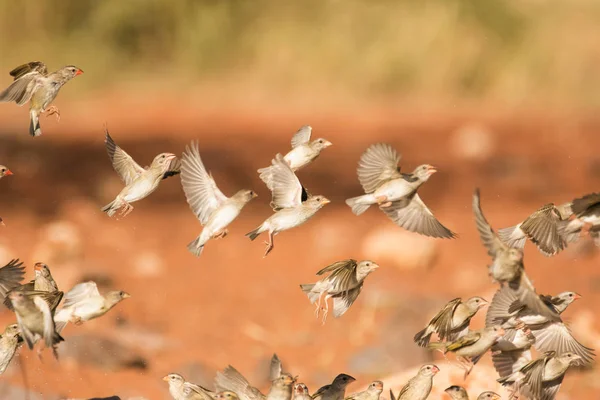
x: 226, y: 395
x: 344, y: 283
x: 586, y: 210
x: 541, y: 227
x: 549, y: 330
x: 452, y: 321
x: 457, y: 392
x: 11, y: 276
x: 541, y: 378
x: 372, y: 393
x: 33, y: 83
x: 182, y: 390
x: 84, y: 302
x: 336, y: 390
x: 35, y: 317
x: 214, y: 210
x: 419, y: 386
x: 139, y: 182
x: 489, y: 396
x: 9, y: 343
x: 512, y: 351
x: 231, y: 380
x: 291, y: 202
x: 303, y: 153
x: 42, y: 282
x: 471, y: 347
x: 301, y: 392
x: 281, y: 387
x: 396, y: 192
x: 4, y: 171
x: 275, y: 368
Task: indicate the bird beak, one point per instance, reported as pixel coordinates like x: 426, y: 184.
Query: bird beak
x: 496, y: 397
x: 327, y: 144
x: 447, y: 390
x: 126, y: 295
x: 79, y: 72
x: 166, y: 378
x: 8, y: 172
x: 431, y: 169
x: 435, y: 369
x: 374, y: 266
x: 577, y: 296
x: 254, y: 195
x: 484, y: 303
x: 325, y: 201
x: 37, y: 267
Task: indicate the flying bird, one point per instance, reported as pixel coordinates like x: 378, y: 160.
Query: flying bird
x: 33, y: 83
x: 586, y: 211
x: 291, y: 202
x: 139, y: 182
x: 344, y: 283
x: 396, y: 193
x: 11, y: 276
x: 303, y: 153
x: 214, y: 210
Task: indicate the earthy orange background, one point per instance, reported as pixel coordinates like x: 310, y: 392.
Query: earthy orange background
x: 525, y: 133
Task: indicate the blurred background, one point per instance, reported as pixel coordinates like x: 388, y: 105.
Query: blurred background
x: 501, y: 95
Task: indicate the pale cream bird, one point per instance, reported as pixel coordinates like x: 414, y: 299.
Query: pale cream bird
x: 180, y: 389
x: 9, y: 343
x: 139, y: 182
x: 303, y: 153
x: 419, y: 386
x: 214, y: 210
x: 84, y: 302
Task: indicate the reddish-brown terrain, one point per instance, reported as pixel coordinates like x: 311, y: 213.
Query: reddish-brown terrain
x: 231, y: 306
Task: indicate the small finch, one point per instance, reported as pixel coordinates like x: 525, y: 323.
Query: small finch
x: 9, y: 343
x: 214, y: 210
x: 471, y: 347
x: 548, y: 329
x: 281, y: 387
x: 301, y: 392
x: 4, y: 171
x: 452, y: 321
x: 231, y: 380
x: 293, y: 205
x: 541, y: 378
x: 179, y: 389
x: 336, y: 390
x: 372, y: 393
x: 512, y: 351
x: 35, y: 317
x: 139, y: 182
x: 344, y: 283
x: 541, y: 227
x: 303, y: 153
x: 33, y: 83
x: 11, y: 276
x: 396, y: 192
x: 84, y: 302
x: 42, y: 282
x: 586, y: 210
x: 419, y: 386
x: 489, y: 396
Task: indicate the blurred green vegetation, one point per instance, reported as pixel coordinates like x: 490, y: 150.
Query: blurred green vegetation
x: 512, y: 51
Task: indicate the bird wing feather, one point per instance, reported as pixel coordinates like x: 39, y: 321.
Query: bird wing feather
x: 287, y: 191
x: 377, y: 165
x: 81, y: 292
x: 558, y: 337
x: 489, y: 238
x: 302, y: 136
x: 122, y: 162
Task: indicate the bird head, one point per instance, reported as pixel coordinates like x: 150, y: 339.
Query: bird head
x: 11, y: 330
x: 429, y: 370
x: 566, y: 298
x: 71, y: 71
x: 245, y: 195
x: 226, y: 395
x: 456, y: 392
x: 515, y: 255
x: 320, y: 144
x: 300, y: 389
x: 376, y: 387
x: 174, y: 379
x: 475, y: 303
x: 41, y: 269
x: 285, y: 380
x: 570, y: 358
x: 496, y: 330
x: 342, y: 380
x: 364, y: 268
x: 317, y: 201
x: 163, y: 161
x: 423, y: 172
x: 4, y: 171
x: 489, y: 396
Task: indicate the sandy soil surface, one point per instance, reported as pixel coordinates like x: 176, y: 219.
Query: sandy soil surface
x: 231, y: 306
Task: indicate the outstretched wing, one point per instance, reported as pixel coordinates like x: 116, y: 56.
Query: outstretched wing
x: 377, y: 165
x: 122, y: 162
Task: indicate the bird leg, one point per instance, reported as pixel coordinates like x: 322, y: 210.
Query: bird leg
x: 221, y: 234
x: 467, y: 365
x: 325, y: 310
x: 319, y: 308
x: 53, y: 110
x: 127, y: 208
x: 269, y: 244
x: 76, y: 320
x: 383, y: 201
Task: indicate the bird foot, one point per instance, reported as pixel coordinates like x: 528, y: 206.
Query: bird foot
x: 269, y: 248
x: 53, y: 110
x: 126, y: 209
x: 39, y: 354
x: 325, y: 312
x: 222, y: 234
x: 76, y: 320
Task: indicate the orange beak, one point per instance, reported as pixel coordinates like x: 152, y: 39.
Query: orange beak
x: 8, y: 172
x: 79, y: 72
x: 577, y: 296
x: 435, y: 369
x: 37, y: 267
x: 431, y: 169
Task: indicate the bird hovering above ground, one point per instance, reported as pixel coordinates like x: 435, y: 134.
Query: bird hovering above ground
x: 303, y: 153
x: 586, y: 211
x: 396, y: 192
x: 214, y: 210
x: 139, y: 182
x: 33, y: 83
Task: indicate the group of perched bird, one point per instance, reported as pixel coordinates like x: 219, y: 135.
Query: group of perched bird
x: 518, y: 318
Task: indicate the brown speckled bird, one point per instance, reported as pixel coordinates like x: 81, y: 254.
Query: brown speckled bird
x: 33, y: 83
x: 344, y: 283
x: 214, y: 210
x: 419, y: 386
x: 293, y: 206
x: 139, y: 182
x: 541, y: 227
x: 9, y: 343
x: 586, y: 211
x: 452, y: 321
x: 396, y: 192
x: 303, y: 153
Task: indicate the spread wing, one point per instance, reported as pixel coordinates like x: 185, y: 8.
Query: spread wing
x: 542, y: 229
x: 33, y: 66
x: 342, y: 276
x: 343, y: 301
x: 489, y: 238
x: 302, y: 136
x: 557, y: 337
x: 275, y: 368
x: 529, y: 298
x: 231, y: 379
x: 442, y: 322
x: 467, y: 340
x: 22, y: 88
x: 201, y: 191
x: 287, y: 190
x: 81, y: 292
x: 122, y: 162
x: 377, y: 165
x: 508, y: 362
x: 581, y: 205
x: 44, y: 308
x: 10, y: 277
x: 413, y: 215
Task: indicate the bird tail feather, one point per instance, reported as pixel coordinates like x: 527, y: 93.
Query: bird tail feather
x: 34, y: 124
x: 422, y: 337
x: 61, y: 319
x: 437, y: 346
x: 196, y: 246
x: 357, y: 207
x: 307, y: 289
x: 255, y: 233
x: 112, y: 207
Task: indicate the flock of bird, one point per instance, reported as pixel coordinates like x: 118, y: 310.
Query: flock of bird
x: 518, y: 318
